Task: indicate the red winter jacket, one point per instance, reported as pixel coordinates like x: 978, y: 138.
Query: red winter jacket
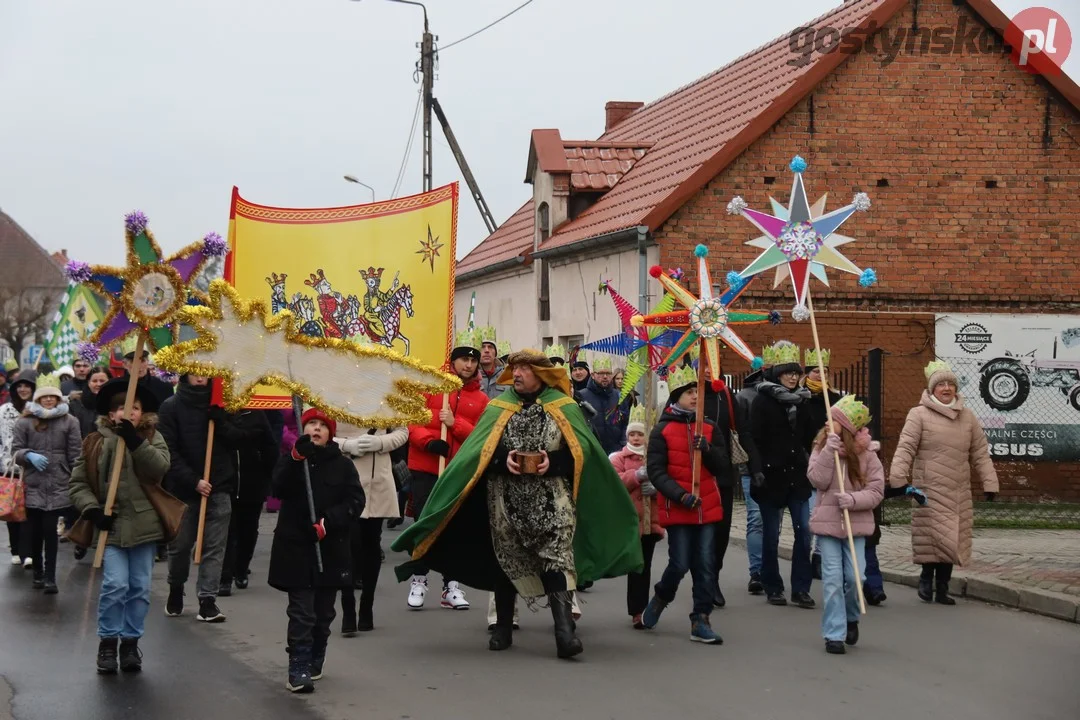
x: 670, y: 467
x: 466, y: 405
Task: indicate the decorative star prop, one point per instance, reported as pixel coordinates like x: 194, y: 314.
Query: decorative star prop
x: 147, y: 295
x: 801, y: 241
x: 247, y: 346
x: 707, y: 318
x: 429, y: 249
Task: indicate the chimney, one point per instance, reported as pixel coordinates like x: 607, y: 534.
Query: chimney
x: 616, y: 111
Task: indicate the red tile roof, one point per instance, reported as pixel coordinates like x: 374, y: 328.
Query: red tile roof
x: 598, y: 166
x: 513, y: 238
x: 25, y: 265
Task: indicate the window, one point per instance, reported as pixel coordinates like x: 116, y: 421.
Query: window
x: 543, y: 221
x: 545, y: 302
x: 572, y: 341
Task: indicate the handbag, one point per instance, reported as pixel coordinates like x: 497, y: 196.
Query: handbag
x: 738, y: 453
x: 12, y: 495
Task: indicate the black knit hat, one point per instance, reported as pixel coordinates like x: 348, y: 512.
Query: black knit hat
x: 146, y: 398
x: 460, y: 352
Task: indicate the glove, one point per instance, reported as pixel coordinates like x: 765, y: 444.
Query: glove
x: 39, y: 461
x: 127, y: 432
x: 834, y: 443
x: 589, y: 410
x: 304, y: 447
x: 217, y: 414
x: 648, y: 489
x: 758, y: 481
x: 990, y: 496
x: 846, y: 501
x: 438, y: 447
x: 689, y: 501
x: 99, y: 519
x: 642, y: 474
x: 367, y: 444
x: 916, y: 494
x: 700, y: 443
x: 320, y: 530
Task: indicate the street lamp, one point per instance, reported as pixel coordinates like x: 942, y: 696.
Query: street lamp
x: 411, y: 2
x: 353, y: 179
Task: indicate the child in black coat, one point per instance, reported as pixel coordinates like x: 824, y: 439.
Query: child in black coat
x: 339, y: 500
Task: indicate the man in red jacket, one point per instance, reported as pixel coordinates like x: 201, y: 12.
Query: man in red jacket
x: 689, y: 514
x: 427, y: 446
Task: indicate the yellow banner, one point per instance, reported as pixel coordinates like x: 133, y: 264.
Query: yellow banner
x: 383, y: 271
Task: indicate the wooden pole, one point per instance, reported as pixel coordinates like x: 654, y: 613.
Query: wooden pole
x: 699, y: 419
x: 836, y: 455
x: 202, y: 501
x: 121, y: 450
x: 442, y: 432
x: 646, y: 502
x: 298, y: 411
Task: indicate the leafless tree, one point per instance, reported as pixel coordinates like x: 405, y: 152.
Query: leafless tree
x: 25, y: 312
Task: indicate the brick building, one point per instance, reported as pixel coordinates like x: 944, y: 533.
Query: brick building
x: 970, y: 161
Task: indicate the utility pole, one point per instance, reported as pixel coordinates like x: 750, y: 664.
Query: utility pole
x: 427, y: 70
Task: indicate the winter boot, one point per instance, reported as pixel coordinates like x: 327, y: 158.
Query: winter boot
x: 106, y: 656
x: 926, y: 582
x: 567, y: 643
x: 130, y: 655
x: 944, y: 575
x: 348, y: 624
x: 174, y: 606
x: 719, y: 600
x: 300, y: 671
x: 318, y: 657
x: 701, y: 631
x: 852, y: 633
x: 502, y: 632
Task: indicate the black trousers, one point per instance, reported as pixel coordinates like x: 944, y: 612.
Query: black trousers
x: 18, y: 539
x: 243, y: 536
x: 943, y: 571
x: 365, y: 537
x: 723, y: 529
x: 310, y: 611
x: 639, y: 585
x: 42, y: 524
x: 422, y: 484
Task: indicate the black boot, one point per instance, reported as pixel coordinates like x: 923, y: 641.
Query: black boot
x: 815, y: 565
x: 348, y: 612
x: 944, y: 574
x: 106, y: 656
x: 567, y: 644
x: 502, y: 633
x: 926, y: 583
x: 852, y: 633
x: 130, y: 655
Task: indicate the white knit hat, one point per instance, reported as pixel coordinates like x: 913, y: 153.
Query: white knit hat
x: 637, y: 420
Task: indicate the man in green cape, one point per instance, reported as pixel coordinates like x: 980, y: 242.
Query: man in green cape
x: 494, y: 526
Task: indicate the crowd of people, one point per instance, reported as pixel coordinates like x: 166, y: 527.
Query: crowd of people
x: 532, y: 482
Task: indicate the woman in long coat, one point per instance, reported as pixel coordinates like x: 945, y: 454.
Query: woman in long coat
x: 941, y: 446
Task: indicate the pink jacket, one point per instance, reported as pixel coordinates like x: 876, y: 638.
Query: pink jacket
x: 626, y: 463
x: 827, y: 518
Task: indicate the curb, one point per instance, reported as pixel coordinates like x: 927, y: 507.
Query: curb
x: 989, y: 590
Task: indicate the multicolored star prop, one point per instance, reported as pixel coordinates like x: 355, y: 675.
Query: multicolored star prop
x: 147, y: 295
x: 801, y: 241
x: 429, y: 249
x: 707, y: 318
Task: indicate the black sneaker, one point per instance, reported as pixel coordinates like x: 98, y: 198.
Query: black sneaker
x: 174, y: 606
x: 50, y: 587
x: 803, y: 600
x: 348, y: 625
x: 225, y: 590
x: 777, y: 599
x: 754, y: 587
x: 38, y: 583
x: 241, y: 582
x: 875, y: 597
x: 852, y: 633
x: 300, y: 675
x: 130, y: 655
x: 106, y: 656
x: 80, y: 552
x: 834, y: 647
x: 209, y: 612
x: 366, y: 620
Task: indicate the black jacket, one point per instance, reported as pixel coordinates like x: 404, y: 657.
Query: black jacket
x: 815, y: 414
x: 73, y: 385
x: 82, y: 405
x: 339, y: 500
x: 184, y: 420
x: 157, y: 387
x: 255, y: 457
x: 609, y: 425
x: 781, y: 439
x: 717, y: 410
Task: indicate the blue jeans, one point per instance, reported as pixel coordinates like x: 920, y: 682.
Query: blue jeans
x: 801, y: 574
x: 839, y: 585
x: 125, y: 590
x: 753, y: 528
x: 690, y: 549
x: 813, y: 538
x: 874, y: 581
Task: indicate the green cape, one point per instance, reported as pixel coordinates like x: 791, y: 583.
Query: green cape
x: 453, y: 534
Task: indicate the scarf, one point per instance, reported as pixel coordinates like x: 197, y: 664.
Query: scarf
x: 639, y: 451
x: 814, y: 386
x: 32, y: 408
x: 946, y: 405
x: 679, y: 412
x: 782, y: 395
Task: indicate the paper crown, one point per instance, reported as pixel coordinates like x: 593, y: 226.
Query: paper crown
x: 467, y: 338
x: 812, y: 357
x: 486, y: 334
x: 11, y: 364
x: 781, y: 353
x: 936, y: 366
x: 601, y: 363
x: 855, y: 411
x: 52, y: 380
x: 680, y: 378
x: 556, y: 351
x: 637, y: 416
x: 503, y: 348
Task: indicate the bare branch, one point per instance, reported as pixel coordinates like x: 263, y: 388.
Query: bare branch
x: 24, y: 312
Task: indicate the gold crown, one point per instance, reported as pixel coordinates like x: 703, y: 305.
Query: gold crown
x: 782, y: 352
x: 812, y: 357
x: 467, y: 338
x: 503, y: 348
x: 486, y: 334
x: 680, y: 378
x: 854, y: 410
x: 637, y: 414
x: 601, y: 362
x: 555, y: 351
x: 936, y: 366
x: 52, y: 380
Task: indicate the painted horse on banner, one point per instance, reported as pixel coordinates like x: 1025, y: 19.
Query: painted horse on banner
x: 390, y: 315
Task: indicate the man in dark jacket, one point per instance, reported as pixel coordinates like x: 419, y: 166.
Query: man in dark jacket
x: 608, y: 423
x: 255, y: 460
x: 77, y: 383
x: 184, y: 421
x: 158, y: 387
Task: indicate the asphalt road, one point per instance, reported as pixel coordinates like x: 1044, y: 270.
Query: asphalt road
x: 913, y: 661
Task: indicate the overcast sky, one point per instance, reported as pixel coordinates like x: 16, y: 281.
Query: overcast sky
x: 112, y: 105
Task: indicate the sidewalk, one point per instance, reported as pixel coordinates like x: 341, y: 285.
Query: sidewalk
x: 1034, y: 570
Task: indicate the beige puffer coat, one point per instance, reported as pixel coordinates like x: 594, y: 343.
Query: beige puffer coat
x: 939, y: 448
x: 376, y: 469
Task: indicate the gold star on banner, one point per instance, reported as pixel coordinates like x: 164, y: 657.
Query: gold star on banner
x: 429, y: 249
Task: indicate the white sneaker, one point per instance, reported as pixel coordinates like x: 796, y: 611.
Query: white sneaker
x: 27, y: 563
x: 418, y: 592
x: 453, y: 597
x: 15, y: 559
x: 60, y: 527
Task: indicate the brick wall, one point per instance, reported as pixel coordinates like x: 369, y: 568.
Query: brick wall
x: 937, y: 129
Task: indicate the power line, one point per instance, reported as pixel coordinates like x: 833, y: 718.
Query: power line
x: 408, y: 147
x: 491, y: 24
